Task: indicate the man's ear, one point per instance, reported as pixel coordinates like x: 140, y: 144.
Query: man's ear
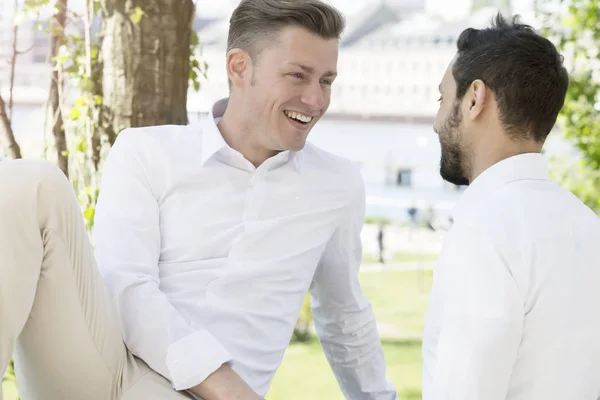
x: 475, y: 98
x: 237, y: 67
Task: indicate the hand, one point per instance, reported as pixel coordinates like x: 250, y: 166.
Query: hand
x: 225, y: 384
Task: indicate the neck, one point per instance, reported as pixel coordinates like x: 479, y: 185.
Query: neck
x: 239, y: 136
x: 486, y: 158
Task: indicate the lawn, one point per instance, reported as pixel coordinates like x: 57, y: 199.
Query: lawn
x: 305, y: 373
x: 403, y: 256
x: 399, y: 300
x: 10, y: 391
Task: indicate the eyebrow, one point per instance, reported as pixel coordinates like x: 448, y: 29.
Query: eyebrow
x: 310, y: 70
x: 440, y: 87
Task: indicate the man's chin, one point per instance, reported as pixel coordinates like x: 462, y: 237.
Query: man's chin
x: 296, y: 146
x: 454, y: 178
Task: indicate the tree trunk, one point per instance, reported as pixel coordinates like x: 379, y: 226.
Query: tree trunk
x: 12, y: 147
x: 146, y: 62
x: 57, y: 28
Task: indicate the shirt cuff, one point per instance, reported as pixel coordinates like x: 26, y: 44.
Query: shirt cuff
x: 194, y: 358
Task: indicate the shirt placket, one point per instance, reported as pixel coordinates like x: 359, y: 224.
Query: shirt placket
x: 253, y: 204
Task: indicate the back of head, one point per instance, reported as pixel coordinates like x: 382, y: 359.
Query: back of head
x: 524, y: 71
x: 256, y: 22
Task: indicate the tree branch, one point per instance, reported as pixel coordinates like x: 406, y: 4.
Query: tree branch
x: 26, y: 50
x: 13, y: 62
x: 58, y: 32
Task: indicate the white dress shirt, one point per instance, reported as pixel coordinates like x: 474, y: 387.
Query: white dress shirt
x: 209, y: 259
x: 514, y: 310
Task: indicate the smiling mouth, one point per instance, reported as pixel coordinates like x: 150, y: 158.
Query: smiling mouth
x: 301, y: 118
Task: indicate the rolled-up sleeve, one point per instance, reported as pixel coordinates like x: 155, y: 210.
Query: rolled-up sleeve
x: 128, y: 242
x: 343, y: 317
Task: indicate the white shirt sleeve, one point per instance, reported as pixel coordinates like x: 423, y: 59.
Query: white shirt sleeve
x: 343, y: 316
x: 128, y: 244
x: 483, y: 314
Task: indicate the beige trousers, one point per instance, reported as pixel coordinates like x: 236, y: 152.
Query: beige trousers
x: 55, y: 311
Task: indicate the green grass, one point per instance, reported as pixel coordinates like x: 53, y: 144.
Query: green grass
x: 10, y: 390
x: 305, y: 372
x: 407, y: 257
x: 403, y: 257
x: 399, y: 301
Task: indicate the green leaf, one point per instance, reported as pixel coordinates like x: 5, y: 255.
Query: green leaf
x: 80, y: 102
x: 195, y: 40
x: 82, y: 146
x: 74, y: 114
x: 88, y: 215
x: 86, y: 85
x: 97, y: 6
x: 136, y: 15
x: 577, y: 35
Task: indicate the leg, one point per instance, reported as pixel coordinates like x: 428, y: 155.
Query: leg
x: 53, y: 302
x: 148, y: 385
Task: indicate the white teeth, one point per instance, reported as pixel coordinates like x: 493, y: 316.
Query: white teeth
x: 299, y: 117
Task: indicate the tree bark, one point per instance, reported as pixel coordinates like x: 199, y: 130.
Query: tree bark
x: 12, y: 147
x: 146, y: 64
x: 57, y: 28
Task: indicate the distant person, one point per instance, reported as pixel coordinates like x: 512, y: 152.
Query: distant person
x: 208, y: 237
x: 380, y: 243
x: 412, y: 214
x: 513, y: 313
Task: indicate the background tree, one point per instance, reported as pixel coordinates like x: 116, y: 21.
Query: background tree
x: 7, y: 137
x: 145, y: 54
x: 120, y: 64
x: 574, y: 26
x: 57, y: 34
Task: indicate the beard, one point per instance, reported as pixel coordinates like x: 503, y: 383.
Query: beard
x: 453, y: 163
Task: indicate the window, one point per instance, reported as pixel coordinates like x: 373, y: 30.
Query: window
x: 404, y: 178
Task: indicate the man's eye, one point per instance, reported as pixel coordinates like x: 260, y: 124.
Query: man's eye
x: 298, y: 75
x: 440, y: 99
x: 327, y: 82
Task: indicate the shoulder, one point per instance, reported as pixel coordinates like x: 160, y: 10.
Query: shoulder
x: 160, y: 136
x: 523, y: 213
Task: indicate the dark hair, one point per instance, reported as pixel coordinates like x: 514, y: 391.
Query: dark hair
x: 522, y: 68
x: 255, y: 21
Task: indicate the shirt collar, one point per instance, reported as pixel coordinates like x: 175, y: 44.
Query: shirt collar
x: 528, y: 166
x: 212, y: 139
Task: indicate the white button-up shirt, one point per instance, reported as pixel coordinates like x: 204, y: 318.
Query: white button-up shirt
x: 209, y: 259
x: 514, y: 310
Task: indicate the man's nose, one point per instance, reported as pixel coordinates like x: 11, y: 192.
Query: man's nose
x: 314, y: 97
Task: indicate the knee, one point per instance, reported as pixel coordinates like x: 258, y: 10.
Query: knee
x: 24, y: 174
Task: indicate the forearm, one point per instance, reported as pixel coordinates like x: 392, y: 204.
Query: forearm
x: 224, y: 384
x: 353, y: 349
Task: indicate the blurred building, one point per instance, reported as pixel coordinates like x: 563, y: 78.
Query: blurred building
x: 32, y: 75
x: 393, y: 56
